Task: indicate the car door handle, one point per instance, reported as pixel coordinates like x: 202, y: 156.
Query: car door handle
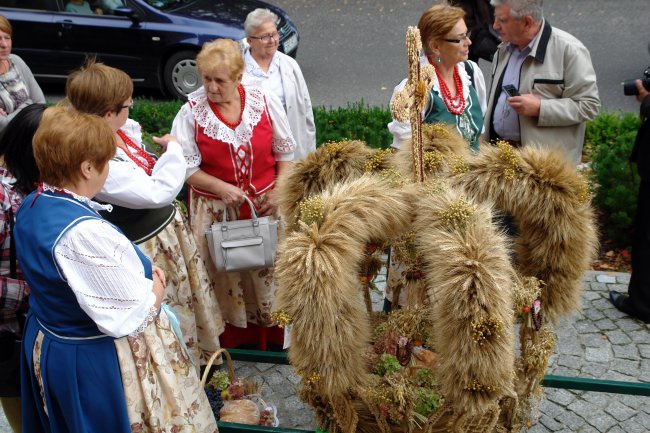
x: 66, y: 24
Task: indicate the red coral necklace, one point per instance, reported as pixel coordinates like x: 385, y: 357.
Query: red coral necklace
x: 455, y: 105
x: 150, y: 162
x: 242, y: 99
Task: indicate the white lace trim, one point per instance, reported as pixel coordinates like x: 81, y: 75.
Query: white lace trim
x: 212, y: 127
x: 93, y: 204
x: 151, y: 316
x: 283, y: 145
x: 193, y: 160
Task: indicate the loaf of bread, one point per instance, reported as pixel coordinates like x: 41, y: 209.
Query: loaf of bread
x: 240, y: 411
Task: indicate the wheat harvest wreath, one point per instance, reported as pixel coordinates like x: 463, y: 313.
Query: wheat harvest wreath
x: 448, y: 360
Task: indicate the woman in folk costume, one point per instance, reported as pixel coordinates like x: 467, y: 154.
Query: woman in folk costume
x: 237, y: 141
x: 456, y: 96
x: 142, y: 191
x: 99, y: 353
x: 456, y: 84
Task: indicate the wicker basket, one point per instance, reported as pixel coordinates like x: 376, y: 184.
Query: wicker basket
x: 208, y: 366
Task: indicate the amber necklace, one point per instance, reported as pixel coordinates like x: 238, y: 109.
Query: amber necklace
x: 242, y: 99
x: 148, y: 167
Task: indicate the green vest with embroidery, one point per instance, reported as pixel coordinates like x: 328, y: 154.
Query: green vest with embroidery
x: 469, y: 123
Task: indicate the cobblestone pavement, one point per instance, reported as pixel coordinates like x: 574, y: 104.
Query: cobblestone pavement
x: 600, y: 342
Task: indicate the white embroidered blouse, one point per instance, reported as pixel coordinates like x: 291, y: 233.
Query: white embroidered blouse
x: 106, y: 275
x: 128, y: 185
x: 198, y: 112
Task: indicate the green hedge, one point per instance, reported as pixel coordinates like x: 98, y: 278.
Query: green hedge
x: 609, y: 139
x: 356, y: 122
x: 608, y: 143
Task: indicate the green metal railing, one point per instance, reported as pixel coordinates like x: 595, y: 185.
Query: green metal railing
x: 550, y: 381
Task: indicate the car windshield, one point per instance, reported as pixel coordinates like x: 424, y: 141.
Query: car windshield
x: 166, y: 4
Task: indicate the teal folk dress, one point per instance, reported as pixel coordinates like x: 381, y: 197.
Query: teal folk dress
x: 469, y: 123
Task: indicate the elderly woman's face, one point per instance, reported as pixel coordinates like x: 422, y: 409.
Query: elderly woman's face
x: 265, y: 39
x: 454, y: 47
x: 5, y: 45
x: 218, y: 85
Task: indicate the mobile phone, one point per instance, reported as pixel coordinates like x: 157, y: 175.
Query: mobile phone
x: 510, y: 90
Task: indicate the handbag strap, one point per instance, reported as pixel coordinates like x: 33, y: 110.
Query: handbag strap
x: 250, y: 204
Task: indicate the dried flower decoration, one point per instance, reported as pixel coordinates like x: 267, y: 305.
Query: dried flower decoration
x: 525, y: 293
x: 584, y: 191
x: 508, y: 155
x: 376, y: 160
x: 435, y: 131
x: 434, y: 187
x: 421, y: 94
x: 539, y: 351
x: 433, y: 160
x: 458, y: 165
x: 333, y: 148
x: 485, y: 330
x: 310, y: 378
x: 457, y: 214
x: 282, y: 318
x: 405, y: 251
x: 311, y: 210
x: 399, y: 106
x: 476, y: 386
x: 394, y: 178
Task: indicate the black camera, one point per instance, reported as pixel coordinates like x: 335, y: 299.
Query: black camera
x: 629, y: 86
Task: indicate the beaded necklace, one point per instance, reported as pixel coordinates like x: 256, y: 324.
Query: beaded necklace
x: 242, y: 99
x: 454, y: 105
x: 148, y: 167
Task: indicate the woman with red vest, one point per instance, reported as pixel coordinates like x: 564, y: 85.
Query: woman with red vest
x: 237, y: 141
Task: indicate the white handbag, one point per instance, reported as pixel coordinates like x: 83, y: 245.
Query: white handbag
x: 243, y: 245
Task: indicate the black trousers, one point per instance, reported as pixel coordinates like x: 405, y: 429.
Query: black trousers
x: 639, y: 288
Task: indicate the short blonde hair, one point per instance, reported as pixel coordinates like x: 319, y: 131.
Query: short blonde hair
x: 98, y: 89
x: 5, y: 25
x: 436, y: 22
x: 65, y: 138
x: 221, y: 53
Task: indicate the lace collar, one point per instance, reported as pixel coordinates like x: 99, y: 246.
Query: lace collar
x: 254, y: 106
x: 83, y: 199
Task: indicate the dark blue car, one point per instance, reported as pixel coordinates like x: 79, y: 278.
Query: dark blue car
x: 154, y: 41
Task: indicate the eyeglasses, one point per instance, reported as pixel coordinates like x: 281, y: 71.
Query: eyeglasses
x: 267, y: 38
x: 128, y: 105
x: 460, y: 39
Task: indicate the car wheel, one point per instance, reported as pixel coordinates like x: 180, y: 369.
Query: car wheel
x: 180, y: 74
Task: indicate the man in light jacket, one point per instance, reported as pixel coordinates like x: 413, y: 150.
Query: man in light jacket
x: 553, y: 74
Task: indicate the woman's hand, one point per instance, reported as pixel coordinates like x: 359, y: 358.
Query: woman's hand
x: 164, y: 140
x: 231, y: 195
x: 269, y: 206
x: 159, y: 284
